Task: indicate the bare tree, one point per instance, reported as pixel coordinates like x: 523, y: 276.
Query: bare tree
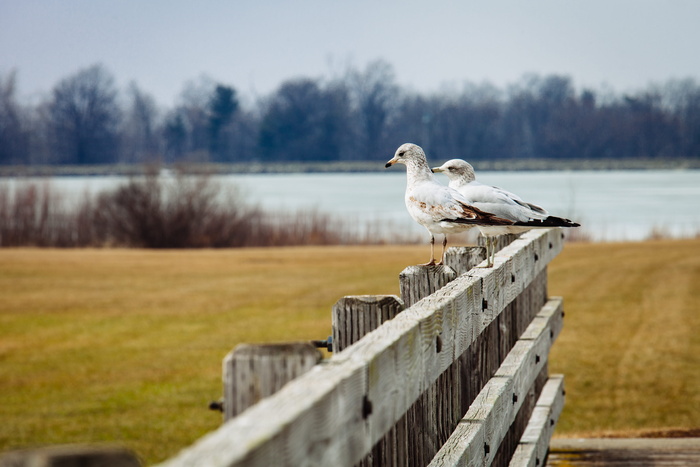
x: 467, y: 125
x: 13, y: 135
x: 194, y: 114
x: 376, y: 96
x: 223, y: 106
x: 140, y: 135
x: 85, y: 118
x: 175, y: 136
x: 303, y: 121
x: 683, y: 101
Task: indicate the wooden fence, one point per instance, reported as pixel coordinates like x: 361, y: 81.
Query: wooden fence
x: 453, y: 372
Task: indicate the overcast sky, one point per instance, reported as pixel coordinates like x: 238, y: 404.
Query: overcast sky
x: 254, y: 45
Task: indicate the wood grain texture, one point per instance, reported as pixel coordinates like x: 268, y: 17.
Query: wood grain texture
x: 462, y: 258
x: 498, y: 403
x: 534, y: 444
x: 355, y: 316
x: 512, y: 437
x: 500, y: 242
x: 418, y: 282
x: 254, y: 371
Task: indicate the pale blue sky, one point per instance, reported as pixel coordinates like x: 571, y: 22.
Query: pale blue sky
x: 254, y: 45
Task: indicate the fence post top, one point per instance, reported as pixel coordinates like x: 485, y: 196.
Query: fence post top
x: 372, y: 299
x: 275, y: 348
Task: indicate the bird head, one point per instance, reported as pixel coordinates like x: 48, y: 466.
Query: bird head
x: 456, y: 169
x: 406, y: 152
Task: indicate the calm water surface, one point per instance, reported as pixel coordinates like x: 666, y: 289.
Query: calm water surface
x: 613, y: 205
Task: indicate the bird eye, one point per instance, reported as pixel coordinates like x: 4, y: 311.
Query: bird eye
x: 402, y: 153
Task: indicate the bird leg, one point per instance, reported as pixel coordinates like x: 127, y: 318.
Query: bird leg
x: 432, y: 251
x: 444, y: 244
x: 489, y: 247
x: 488, y: 251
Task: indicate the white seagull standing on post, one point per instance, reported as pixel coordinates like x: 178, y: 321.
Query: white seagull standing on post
x: 438, y: 208
x: 504, y: 204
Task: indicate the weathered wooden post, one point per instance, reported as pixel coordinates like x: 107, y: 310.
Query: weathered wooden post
x: 417, y: 282
x: 534, y: 443
x: 418, y: 435
x: 355, y: 315
x: 463, y: 258
x: 493, y: 427
x: 499, y: 242
x: 254, y: 371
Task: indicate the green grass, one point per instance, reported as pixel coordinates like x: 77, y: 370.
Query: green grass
x: 126, y: 345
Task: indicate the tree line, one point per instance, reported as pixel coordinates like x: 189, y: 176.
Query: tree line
x: 360, y: 116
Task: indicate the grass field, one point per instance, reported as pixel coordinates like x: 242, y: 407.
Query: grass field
x: 126, y: 345
x: 630, y: 348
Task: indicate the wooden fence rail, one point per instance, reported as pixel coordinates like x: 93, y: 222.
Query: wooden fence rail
x: 453, y: 372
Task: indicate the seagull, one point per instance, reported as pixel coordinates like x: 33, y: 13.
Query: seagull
x: 502, y: 203
x: 438, y: 208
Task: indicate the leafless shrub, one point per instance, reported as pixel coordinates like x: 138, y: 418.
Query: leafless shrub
x: 155, y: 211
x: 305, y: 227
x: 185, y: 212
x: 32, y: 214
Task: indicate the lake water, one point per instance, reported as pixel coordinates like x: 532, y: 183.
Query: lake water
x: 612, y: 205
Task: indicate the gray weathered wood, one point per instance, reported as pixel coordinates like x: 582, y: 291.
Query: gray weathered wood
x: 417, y: 282
x: 512, y: 438
x: 492, y: 413
x: 354, y: 316
x: 254, y: 371
x: 517, y: 428
x: 336, y: 412
x: 462, y: 258
x: 500, y: 242
x: 534, y: 444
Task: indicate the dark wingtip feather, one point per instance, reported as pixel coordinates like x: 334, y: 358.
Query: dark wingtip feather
x: 551, y: 221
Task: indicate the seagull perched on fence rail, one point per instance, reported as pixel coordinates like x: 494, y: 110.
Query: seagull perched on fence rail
x: 523, y: 216
x: 438, y: 208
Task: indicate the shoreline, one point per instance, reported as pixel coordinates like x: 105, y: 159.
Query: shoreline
x: 257, y: 167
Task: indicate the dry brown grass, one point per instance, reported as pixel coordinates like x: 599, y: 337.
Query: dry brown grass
x: 631, y: 336
x: 126, y: 345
